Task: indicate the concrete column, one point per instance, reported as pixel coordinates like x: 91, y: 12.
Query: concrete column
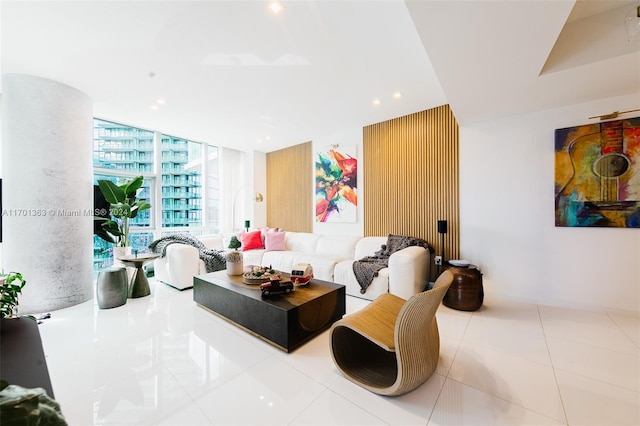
x: 47, y: 191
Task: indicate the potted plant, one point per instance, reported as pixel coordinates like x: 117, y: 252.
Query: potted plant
x: 123, y: 208
x: 11, y: 285
x: 234, y: 258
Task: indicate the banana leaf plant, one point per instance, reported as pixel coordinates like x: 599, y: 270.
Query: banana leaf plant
x: 124, y: 207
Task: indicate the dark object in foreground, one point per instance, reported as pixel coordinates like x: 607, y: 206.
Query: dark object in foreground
x: 23, y: 362
x: 23, y: 406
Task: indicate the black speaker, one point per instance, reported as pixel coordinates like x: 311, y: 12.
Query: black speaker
x: 442, y: 227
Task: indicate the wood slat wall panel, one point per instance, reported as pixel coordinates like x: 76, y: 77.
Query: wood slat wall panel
x: 290, y: 188
x: 410, y: 167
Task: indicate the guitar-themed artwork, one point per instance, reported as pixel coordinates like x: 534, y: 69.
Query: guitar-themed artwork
x: 597, y: 174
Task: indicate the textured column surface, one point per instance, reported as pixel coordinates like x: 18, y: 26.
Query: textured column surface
x: 47, y: 191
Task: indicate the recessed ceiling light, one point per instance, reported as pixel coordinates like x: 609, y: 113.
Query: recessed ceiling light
x: 276, y: 6
x: 268, y: 138
x: 154, y: 107
x: 259, y: 140
x: 376, y: 102
x: 397, y: 95
x: 161, y: 101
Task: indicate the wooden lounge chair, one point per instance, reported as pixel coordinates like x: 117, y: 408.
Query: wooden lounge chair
x: 391, y: 346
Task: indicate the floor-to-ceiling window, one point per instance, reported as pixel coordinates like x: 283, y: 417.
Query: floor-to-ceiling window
x: 178, y: 184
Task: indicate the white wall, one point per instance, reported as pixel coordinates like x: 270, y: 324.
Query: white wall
x: 344, y: 138
x: 242, y: 174
x: 508, y: 225
x: 231, y: 180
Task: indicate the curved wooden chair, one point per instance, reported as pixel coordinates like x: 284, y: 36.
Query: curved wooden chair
x: 391, y: 346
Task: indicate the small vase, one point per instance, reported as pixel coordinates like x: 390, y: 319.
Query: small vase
x: 234, y: 263
x: 120, y: 252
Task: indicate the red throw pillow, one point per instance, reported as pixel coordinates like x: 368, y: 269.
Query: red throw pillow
x: 251, y: 240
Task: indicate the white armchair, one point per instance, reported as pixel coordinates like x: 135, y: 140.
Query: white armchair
x: 182, y: 262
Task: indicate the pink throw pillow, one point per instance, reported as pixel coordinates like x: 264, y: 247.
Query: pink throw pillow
x: 274, y: 241
x: 251, y: 240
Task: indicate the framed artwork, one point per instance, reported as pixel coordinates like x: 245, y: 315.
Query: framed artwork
x: 336, y: 184
x: 597, y: 175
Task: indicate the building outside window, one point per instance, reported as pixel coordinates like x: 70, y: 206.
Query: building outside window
x: 181, y: 182
x: 175, y: 188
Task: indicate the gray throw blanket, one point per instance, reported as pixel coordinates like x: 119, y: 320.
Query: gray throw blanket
x: 213, y: 259
x: 367, y: 268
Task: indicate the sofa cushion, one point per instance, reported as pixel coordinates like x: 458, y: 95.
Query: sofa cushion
x: 279, y: 260
x: 337, y: 246
x: 251, y: 240
x: 274, y: 241
x: 212, y: 241
x: 285, y: 261
x: 301, y: 241
x: 367, y: 246
x: 252, y: 257
x: 343, y: 274
x: 322, y: 265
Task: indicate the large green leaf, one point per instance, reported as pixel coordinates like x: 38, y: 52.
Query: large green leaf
x: 112, y: 192
x: 121, y: 210
x: 139, y: 207
x: 102, y: 231
x: 130, y: 188
x: 105, y: 236
x: 112, y: 227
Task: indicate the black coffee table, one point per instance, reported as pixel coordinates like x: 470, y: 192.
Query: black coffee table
x: 285, y: 321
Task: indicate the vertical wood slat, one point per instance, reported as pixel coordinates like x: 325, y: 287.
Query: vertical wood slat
x: 289, y: 188
x: 410, y: 168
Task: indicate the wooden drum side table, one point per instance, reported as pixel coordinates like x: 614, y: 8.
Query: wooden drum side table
x: 466, y: 292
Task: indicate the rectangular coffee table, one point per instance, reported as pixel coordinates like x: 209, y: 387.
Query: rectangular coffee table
x: 285, y: 321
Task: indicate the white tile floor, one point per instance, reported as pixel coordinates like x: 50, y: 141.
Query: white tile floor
x: 161, y: 360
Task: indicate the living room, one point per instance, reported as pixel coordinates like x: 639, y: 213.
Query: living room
x: 507, y: 110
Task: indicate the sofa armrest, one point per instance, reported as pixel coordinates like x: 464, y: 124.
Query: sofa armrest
x: 408, y: 271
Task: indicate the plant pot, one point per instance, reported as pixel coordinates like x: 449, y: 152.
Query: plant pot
x: 120, y: 252
x: 234, y: 263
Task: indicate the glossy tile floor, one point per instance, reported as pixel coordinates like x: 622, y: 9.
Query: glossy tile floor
x: 161, y: 360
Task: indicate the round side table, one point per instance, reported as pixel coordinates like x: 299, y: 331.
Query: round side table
x: 139, y: 286
x: 466, y: 292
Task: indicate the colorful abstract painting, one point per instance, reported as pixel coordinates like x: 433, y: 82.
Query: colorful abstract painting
x: 336, y: 185
x: 597, y: 174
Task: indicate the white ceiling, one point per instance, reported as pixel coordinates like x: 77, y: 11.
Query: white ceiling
x: 491, y: 61
x: 233, y: 73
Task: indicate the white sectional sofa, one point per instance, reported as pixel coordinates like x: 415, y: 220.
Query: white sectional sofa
x: 331, y: 257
